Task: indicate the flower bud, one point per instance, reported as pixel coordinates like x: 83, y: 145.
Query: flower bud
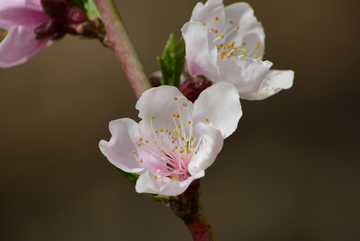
x: 56, y: 9
x: 192, y: 87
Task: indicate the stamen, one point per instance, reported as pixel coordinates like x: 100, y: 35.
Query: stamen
x: 175, y: 98
x: 184, y: 104
x: 212, y: 30
x: 141, y: 160
x: 216, y: 19
x: 257, y: 43
x: 243, y: 44
x: 204, y: 24
x: 216, y: 31
x: 263, y: 52
x: 152, y: 117
x: 139, y: 144
x: 256, y: 56
x: 134, y: 151
x: 257, y: 46
x: 140, y: 138
x: 230, y: 22
x: 206, y: 119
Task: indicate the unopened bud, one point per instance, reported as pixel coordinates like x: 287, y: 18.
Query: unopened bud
x: 192, y: 87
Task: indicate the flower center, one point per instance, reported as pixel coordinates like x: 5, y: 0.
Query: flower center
x: 169, y: 152
x: 226, y: 45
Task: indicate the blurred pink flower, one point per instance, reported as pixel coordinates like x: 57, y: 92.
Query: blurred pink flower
x: 176, y: 140
x: 18, y: 20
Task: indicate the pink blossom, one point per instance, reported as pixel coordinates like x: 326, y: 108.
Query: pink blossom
x: 18, y: 20
x: 176, y: 140
x: 227, y: 44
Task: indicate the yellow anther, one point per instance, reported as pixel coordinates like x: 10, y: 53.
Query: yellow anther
x: 263, y: 52
x: 175, y: 98
x: 188, y: 151
x: 155, y: 176
x: 184, y: 104
x: 216, y: 19
x: 204, y: 24
x: 232, y: 43
x: 134, y: 151
x: 221, y: 45
x: 169, y: 133
x: 173, y: 150
x: 212, y: 30
x: 141, y: 160
x: 224, y: 47
x: 256, y: 47
x: 140, y: 138
x: 193, y: 146
x: 244, y: 54
x: 256, y: 56
x: 222, y: 36
x: 230, y: 22
x: 155, y: 142
x: 231, y: 54
x: 216, y: 31
x: 182, y: 158
x: 191, y: 138
x: 178, y: 126
x: 181, y: 151
x: 237, y: 28
x: 257, y: 43
x: 152, y: 117
x: 178, y: 115
x: 206, y: 119
x: 156, y: 131
x: 234, y: 48
x: 161, y: 129
x: 139, y: 144
x: 243, y: 44
x: 189, y: 122
x: 162, y: 151
x: 166, y: 130
x: 173, y: 115
x: 228, y: 46
x: 146, y: 141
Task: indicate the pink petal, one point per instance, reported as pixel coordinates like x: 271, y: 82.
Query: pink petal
x: 23, y: 13
x: 19, y: 46
x: 119, y: 150
x: 201, y: 53
x: 220, y: 104
x: 212, y: 143
x: 164, y: 186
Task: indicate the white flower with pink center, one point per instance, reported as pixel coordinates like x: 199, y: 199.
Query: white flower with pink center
x: 18, y: 20
x: 176, y: 140
x: 227, y: 44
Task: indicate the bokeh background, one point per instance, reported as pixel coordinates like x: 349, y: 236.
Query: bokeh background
x: 290, y: 172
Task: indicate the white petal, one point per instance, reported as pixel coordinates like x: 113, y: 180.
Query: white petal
x: 201, y: 52
x: 159, y: 102
x: 250, y: 32
x: 245, y: 73
x: 274, y: 81
x: 163, y: 186
x: 207, y: 14
x: 220, y: 104
x: 208, y: 150
x: 119, y: 150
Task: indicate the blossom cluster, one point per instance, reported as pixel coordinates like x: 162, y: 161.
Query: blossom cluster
x: 181, y: 129
x: 176, y: 140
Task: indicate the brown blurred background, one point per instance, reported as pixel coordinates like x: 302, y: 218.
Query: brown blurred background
x: 290, y: 172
